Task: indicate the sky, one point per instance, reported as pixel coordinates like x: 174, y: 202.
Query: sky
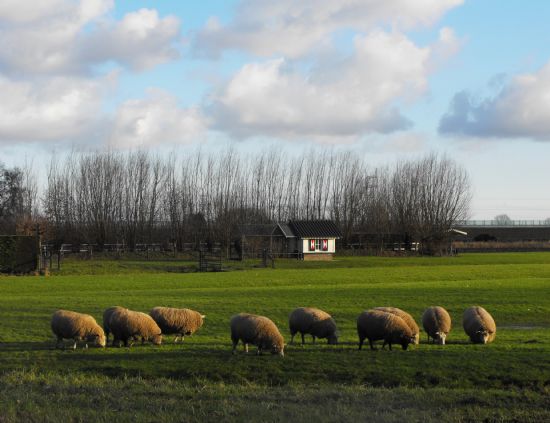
x: 389, y: 80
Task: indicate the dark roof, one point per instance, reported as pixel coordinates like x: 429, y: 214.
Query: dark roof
x: 286, y: 230
x: 257, y: 230
x: 315, y: 228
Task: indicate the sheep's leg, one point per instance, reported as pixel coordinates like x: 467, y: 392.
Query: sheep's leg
x: 384, y: 344
x: 259, y: 352
x: 176, y: 338
x: 361, y: 340
x: 292, y: 338
x: 74, y: 345
x: 245, y: 347
x: 371, y: 343
x: 303, y: 339
x: 235, y: 342
x: 313, y: 336
x: 59, y: 341
x: 182, y: 338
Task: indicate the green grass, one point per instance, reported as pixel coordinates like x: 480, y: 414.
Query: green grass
x: 508, y: 380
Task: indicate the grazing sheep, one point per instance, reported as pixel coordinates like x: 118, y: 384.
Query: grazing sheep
x: 256, y: 330
x: 437, y: 323
x: 106, y: 317
x: 127, y: 324
x: 313, y: 321
x: 409, y: 320
x: 181, y: 321
x: 479, y: 325
x: 72, y: 325
x: 376, y: 324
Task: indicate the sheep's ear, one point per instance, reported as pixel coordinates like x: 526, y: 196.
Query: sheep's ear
x: 203, y: 316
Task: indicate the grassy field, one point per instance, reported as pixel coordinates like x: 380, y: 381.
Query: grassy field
x: 508, y: 380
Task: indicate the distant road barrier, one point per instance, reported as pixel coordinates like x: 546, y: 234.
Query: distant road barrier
x: 502, y: 224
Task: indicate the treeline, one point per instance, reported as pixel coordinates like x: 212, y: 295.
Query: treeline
x: 18, y: 199
x: 138, y: 197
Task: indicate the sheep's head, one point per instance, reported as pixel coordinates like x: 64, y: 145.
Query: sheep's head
x: 278, y: 349
x: 101, y: 341
x: 97, y: 339
x: 332, y: 339
x: 156, y: 339
x: 481, y: 336
x: 440, y: 337
x: 406, y: 340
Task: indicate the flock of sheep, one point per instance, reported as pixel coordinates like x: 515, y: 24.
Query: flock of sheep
x: 389, y: 324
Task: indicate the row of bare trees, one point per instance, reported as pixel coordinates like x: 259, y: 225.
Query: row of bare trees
x: 137, y: 197
x: 18, y: 199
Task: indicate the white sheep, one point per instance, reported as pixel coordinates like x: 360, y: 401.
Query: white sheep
x: 375, y: 325
x: 479, y: 325
x: 179, y: 321
x: 317, y: 323
x: 127, y: 324
x: 67, y: 324
x: 409, y: 320
x: 256, y: 330
x: 437, y: 323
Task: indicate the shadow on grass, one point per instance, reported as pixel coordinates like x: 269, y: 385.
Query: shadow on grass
x: 27, y: 346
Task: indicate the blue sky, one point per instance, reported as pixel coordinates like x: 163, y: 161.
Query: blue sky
x: 387, y: 79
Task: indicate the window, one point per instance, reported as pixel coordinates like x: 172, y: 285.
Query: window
x: 318, y: 245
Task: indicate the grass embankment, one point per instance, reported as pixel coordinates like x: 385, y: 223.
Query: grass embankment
x: 201, y: 380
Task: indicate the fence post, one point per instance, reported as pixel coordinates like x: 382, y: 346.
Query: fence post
x: 38, y: 249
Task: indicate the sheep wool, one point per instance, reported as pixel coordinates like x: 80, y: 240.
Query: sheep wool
x: 479, y: 325
x: 106, y: 317
x: 437, y: 323
x: 256, y: 330
x: 179, y: 321
x: 127, y: 324
x: 409, y: 320
x: 377, y: 325
x: 313, y: 321
x: 67, y: 324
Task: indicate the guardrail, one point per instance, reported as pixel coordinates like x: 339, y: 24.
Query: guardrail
x: 502, y: 224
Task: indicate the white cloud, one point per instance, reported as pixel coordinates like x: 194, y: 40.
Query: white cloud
x: 156, y: 120
x: 69, y: 37
x: 340, y: 100
x: 51, y: 88
x: 446, y: 47
x: 520, y: 110
x: 140, y: 40
x: 18, y: 12
x: 292, y: 29
x: 53, y: 109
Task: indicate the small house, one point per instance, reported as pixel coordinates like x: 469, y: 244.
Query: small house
x: 315, y: 239
x: 304, y: 239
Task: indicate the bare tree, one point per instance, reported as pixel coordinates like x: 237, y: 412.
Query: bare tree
x: 502, y: 219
